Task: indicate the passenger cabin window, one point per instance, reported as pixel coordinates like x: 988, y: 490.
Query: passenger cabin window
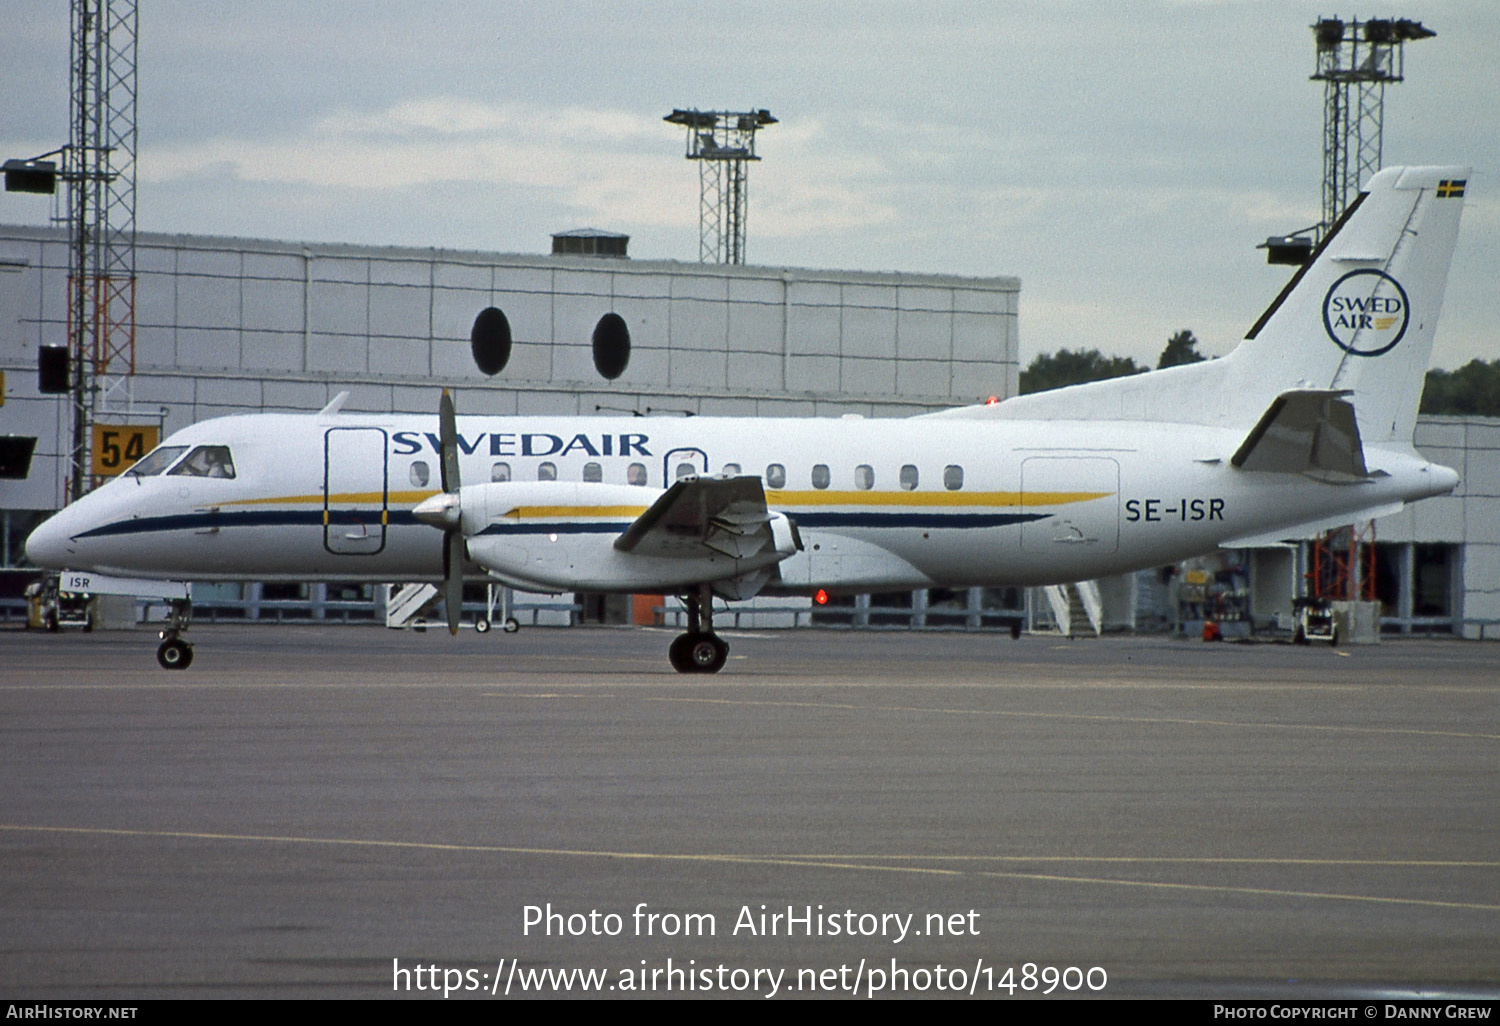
x: 864, y: 477
x: 546, y: 471
x: 820, y: 477
x: 732, y: 469
x: 635, y: 474
x: 420, y: 473
x: 500, y: 472
x: 593, y: 472
x: 685, y: 470
x: 157, y: 460
x: 206, y: 461
x: 908, y: 478
x: 776, y: 476
x: 953, y: 477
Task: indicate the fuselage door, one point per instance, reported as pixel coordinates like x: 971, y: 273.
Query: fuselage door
x: 354, y: 511
x: 679, y: 463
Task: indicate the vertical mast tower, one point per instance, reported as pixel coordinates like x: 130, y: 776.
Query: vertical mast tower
x: 723, y: 142
x: 99, y: 167
x: 1355, y: 62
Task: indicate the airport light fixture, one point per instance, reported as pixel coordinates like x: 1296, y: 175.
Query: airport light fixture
x: 1355, y: 61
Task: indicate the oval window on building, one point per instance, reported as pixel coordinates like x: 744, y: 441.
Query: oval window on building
x: 611, y: 346
x: 489, y: 340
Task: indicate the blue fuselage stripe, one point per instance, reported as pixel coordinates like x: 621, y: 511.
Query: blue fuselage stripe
x: 314, y: 518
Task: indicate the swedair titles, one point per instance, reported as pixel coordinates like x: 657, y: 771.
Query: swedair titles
x: 527, y: 443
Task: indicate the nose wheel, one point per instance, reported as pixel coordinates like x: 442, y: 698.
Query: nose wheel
x: 173, y: 653
x: 700, y: 650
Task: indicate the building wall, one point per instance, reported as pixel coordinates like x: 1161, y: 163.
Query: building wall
x: 236, y: 325
x: 1468, y: 519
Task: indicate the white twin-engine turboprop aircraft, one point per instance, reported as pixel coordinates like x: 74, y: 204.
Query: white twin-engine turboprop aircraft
x: 1308, y: 423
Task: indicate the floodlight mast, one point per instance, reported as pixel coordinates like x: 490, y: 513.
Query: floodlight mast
x: 1355, y: 61
x: 98, y: 166
x: 100, y: 160
x: 723, y: 142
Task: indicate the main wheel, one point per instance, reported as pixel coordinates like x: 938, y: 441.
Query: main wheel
x: 511, y: 625
x: 481, y: 626
x: 707, y: 653
x: 175, y: 654
x: 678, y: 656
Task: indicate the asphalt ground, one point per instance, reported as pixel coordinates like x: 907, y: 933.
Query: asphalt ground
x: 316, y: 811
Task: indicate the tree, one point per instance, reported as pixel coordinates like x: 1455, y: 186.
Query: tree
x: 1181, y: 348
x: 1067, y: 367
x: 1473, y: 389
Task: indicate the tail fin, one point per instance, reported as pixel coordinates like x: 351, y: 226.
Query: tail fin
x: 1361, y: 315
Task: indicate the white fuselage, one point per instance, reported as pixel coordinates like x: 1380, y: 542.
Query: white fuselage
x: 878, y: 504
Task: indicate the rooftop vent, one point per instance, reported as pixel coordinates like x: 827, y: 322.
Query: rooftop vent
x: 589, y: 242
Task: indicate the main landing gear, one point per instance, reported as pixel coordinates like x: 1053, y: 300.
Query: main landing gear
x: 700, y: 650
x: 174, y: 653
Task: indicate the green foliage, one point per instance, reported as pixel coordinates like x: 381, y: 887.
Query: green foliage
x: 1181, y: 348
x: 1067, y: 367
x: 1473, y: 389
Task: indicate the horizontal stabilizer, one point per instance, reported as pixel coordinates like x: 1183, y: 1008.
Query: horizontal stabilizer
x: 1301, y: 532
x: 721, y: 514
x: 1306, y: 431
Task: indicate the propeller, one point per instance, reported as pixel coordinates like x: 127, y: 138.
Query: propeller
x: 453, y: 537
x: 445, y: 511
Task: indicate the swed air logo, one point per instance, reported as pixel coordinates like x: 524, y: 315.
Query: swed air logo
x: 1366, y: 312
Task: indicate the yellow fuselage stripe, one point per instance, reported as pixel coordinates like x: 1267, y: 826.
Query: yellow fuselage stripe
x: 788, y: 500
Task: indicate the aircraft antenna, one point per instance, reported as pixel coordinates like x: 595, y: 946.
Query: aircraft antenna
x: 723, y: 143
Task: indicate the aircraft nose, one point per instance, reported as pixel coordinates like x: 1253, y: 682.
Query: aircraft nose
x: 49, y: 545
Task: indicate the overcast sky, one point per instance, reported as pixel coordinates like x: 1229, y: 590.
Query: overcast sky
x: 1122, y: 159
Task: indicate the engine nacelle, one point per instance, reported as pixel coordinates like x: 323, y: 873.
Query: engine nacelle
x: 560, y: 536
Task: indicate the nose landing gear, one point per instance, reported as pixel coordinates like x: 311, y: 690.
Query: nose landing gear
x: 700, y: 650
x: 174, y: 653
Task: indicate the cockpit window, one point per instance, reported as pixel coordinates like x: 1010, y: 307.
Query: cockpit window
x: 157, y: 460
x: 206, y: 461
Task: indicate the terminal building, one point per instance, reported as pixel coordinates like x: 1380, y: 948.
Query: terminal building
x: 227, y: 326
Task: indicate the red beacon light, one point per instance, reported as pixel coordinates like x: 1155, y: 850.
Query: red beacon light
x: 991, y: 401
x: 820, y: 597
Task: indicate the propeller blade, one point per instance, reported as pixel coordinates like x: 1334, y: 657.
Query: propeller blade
x: 453, y: 577
x: 446, y: 511
x: 448, y: 443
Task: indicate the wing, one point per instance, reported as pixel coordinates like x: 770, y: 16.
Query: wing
x: 699, y: 516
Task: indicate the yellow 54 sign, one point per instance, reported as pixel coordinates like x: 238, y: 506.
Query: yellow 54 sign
x: 118, y: 446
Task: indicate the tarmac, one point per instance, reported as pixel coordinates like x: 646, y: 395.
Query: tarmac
x: 352, y: 812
